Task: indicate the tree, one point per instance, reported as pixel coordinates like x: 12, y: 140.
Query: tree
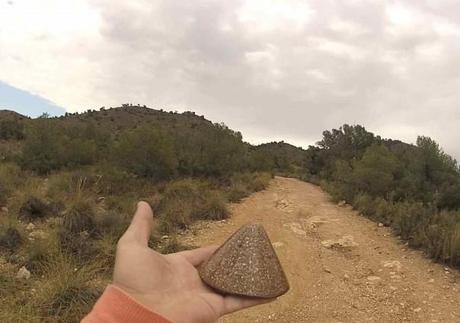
x: 11, y: 129
x: 147, y: 152
x: 375, y: 172
x: 41, y: 152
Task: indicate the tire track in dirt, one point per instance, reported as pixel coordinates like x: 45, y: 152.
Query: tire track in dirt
x: 341, y: 266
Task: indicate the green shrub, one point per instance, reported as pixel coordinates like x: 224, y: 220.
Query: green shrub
x: 11, y: 129
x: 113, y: 223
x: 441, y: 236
x: 185, y: 201
x: 211, y: 207
x: 243, y: 184
x: 453, y: 252
x: 384, y: 211
x: 39, y: 249
x: 118, y: 181
x: 11, y: 179
x: 338, y: 191
x: 78, y: 229
x: 78, y: 152
x: 408, y: 217
x: 51, y: 146
x: 10, y: 236
x: 259, y: 182
x: 174, y: 216
x: 105, y: 247
x: 74, y: 182
x: 81, y: 245
x: 4, y: 193
x: 7, y: 281
x: 66, y: 294
x: 34, y: 208
x: 80, y: 217
x: 237, y: 192
x: 42, y: 149
x: 364, y: 204
x: 147, y: 152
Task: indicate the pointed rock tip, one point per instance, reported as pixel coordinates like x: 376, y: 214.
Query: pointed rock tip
x: 247, y: 265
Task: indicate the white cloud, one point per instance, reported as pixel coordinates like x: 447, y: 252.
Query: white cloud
x: 273, y: 69
x: 401, y: 15
x: 347, y: 27
x: 271, y: 15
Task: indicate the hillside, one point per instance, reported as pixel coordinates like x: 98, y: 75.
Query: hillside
x: 69, y: 184
x: 68, y: 187
x: 11, y: 115
x: 186, y: 131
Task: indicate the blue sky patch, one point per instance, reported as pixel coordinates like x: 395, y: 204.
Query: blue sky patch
x: 25, y: 103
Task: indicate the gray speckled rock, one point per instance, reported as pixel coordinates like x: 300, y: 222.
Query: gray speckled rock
x: 246, y: 264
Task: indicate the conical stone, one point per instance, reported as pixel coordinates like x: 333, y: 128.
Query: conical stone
x: 246, y: 264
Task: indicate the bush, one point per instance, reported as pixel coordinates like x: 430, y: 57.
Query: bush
x: 147, y: 152
x: 10, y: 237
x: 80, y: 246
x: 212, y: 207
x: 11, y: 179
x: 409, y: 218
x: 73, y: 182
x: 384, y: 211
x: 237, y: 192
x: 259, y: 182
x: 77, y: 230
x: 118, y: 181
x: 113, y: 223
x: 68, y: 294
x: 80, y: 217
x: 34, y: 208
x: 42, y: 149
x: 442, y: 237
x: 364, y: 204
x: 50, y: 146
x: 174, y: 215
x: 243, y: 184
x: 337, y: 190
x: 40, y: 251
x: 105, y: 248
x: 3, y: 194
x: 185, y: 201
x: 11, y: 129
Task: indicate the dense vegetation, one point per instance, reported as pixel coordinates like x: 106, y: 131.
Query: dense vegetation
x: 415, y: 189
x: 69, y: 185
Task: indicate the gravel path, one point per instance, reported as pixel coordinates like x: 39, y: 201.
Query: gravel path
x: 341, y: 266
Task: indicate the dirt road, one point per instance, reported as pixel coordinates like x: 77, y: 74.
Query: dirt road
x: 341, y: 266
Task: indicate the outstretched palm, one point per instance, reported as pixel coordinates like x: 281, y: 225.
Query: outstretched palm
x: 169, y: 284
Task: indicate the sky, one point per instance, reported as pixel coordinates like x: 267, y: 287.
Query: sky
x: 26, y: 103
x: 272, y: 69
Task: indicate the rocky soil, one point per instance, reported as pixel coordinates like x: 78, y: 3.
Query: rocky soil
x: 341, y: 266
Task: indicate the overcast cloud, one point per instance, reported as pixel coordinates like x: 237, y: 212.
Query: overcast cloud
x: 272, y: 69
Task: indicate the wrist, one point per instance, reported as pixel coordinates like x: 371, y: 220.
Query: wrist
x: 115, y: 305
x: 160, y: 304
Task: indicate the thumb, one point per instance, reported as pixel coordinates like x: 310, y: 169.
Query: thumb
x: 141, y: 226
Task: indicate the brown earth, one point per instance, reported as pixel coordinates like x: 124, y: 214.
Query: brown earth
x: 341, y: 266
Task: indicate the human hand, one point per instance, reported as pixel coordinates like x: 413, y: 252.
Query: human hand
x: 169, y: 284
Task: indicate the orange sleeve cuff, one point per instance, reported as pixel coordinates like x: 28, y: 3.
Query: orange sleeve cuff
x: 115, y: 306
